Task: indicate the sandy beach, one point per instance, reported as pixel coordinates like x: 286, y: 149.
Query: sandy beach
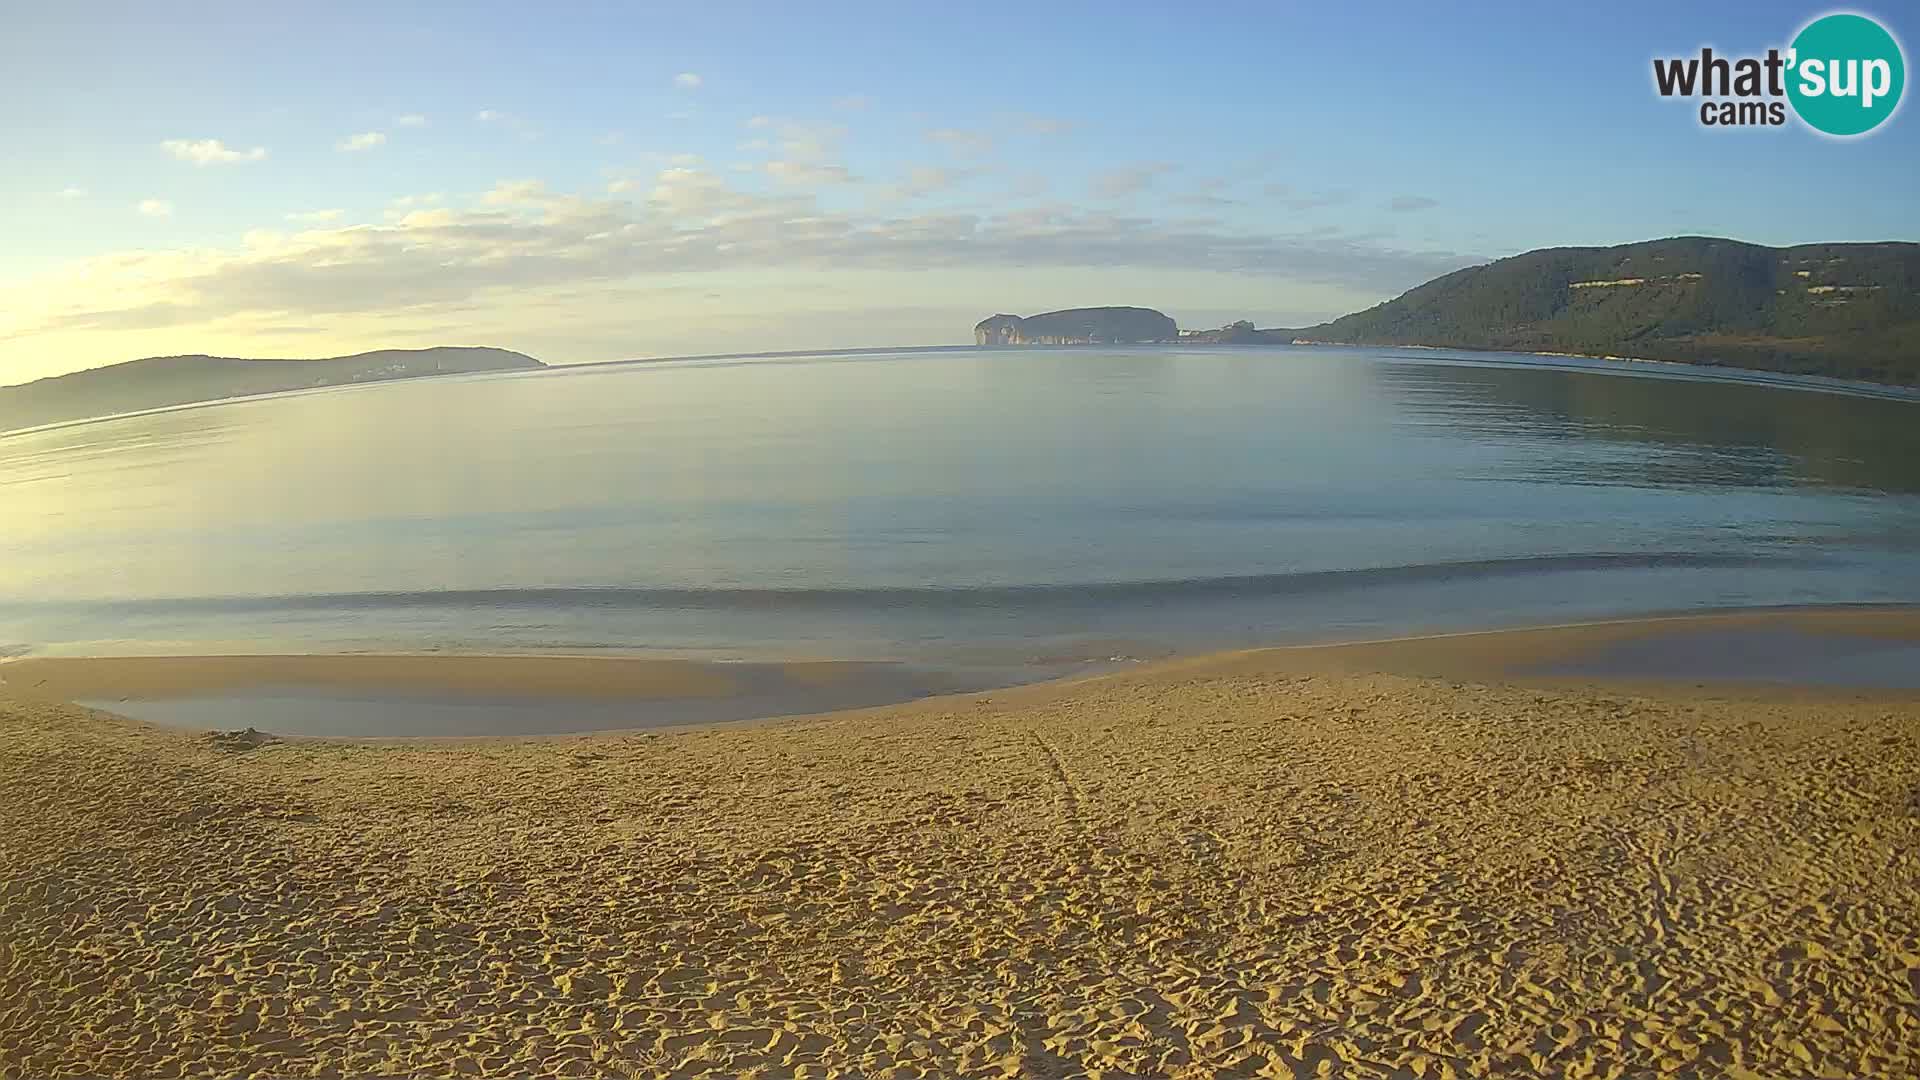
x: 1403, y: 860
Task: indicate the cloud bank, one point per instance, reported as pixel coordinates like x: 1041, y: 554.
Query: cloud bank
x: 520, y: 236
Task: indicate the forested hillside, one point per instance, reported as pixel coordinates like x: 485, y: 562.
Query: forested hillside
x: 1845, y: 310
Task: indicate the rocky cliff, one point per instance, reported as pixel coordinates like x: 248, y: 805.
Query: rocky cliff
x: 1077, y: 326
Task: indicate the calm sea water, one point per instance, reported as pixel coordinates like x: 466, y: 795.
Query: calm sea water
x: 991, y: 507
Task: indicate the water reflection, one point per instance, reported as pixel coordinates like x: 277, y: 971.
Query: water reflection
x: 1040, y: 487
x: 1711, y: 433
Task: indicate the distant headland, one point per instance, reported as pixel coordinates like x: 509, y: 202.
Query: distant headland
x: 1077, y: 326
x: 1111, y: 326
x: 1848, y: 311
x: 161, y: 381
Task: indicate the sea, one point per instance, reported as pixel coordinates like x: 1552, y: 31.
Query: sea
x: 1003, y: 510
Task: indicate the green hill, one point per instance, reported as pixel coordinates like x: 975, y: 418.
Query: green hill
x: 160, y: 381
x: 1846, y: 310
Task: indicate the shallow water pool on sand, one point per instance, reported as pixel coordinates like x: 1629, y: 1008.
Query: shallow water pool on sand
x: 1753, y: 654
x: 345, y: 714
x: 438, y: 697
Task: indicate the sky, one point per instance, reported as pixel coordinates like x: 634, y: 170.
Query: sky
x: 587, y: 182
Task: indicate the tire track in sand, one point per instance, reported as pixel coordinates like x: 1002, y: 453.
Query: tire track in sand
x: 1074, y: 797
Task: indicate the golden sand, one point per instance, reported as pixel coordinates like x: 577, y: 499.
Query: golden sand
x: 1234, y: 867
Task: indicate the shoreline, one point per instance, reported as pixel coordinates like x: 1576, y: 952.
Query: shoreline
x: 1851, y: 652
x: 1784, y: 380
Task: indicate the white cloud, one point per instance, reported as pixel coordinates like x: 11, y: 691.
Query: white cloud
x: 968, y: 143
x: 687, y: 80
x: 366, y: 140
x: 853, y: 102
x: 802, y: 154
x: 1045, y: 125
x: 816, y: 145
x: 807, y: 174
x: 427, y: 219
x: 516, y: 193
x: 1129, y: 180
x: 1402, y: 204
x: 682, y: 192
x: 1205, y: 199
x: 1294, y: 199
x: 315, y: 217
x: 211, y: 152
x: 927, y: 179
x: 510, y: 121
x: 1030, y: 186
x: 71, y: 193
x: 156, y: 208
x: 410, y: 120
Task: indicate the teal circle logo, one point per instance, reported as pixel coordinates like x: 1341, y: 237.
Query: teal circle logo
x: 1846, y: 73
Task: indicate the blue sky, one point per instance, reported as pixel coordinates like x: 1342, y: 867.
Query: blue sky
x: 592, y: 182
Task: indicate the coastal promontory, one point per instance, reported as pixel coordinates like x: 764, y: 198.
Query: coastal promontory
x: 1078, y: 326
x: 162, y: 381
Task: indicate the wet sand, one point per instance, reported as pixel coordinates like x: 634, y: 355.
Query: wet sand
x: 1778, y: 652
x: 572, y: 677
x: 1366, y: 861
x: 441, y: 696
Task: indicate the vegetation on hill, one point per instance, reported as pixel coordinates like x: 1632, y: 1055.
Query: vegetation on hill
x: 1845, y: 310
